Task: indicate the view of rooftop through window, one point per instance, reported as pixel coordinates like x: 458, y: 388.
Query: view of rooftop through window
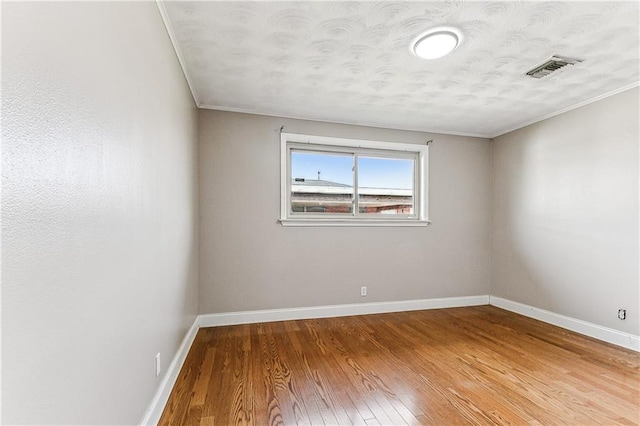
x: 331, y: 167
x: 323, y: 182
x: 373, y: 172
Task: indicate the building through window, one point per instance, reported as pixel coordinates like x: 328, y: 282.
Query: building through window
x: 332, y: 180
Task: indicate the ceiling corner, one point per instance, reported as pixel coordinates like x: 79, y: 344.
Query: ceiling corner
x: 567, y: 109
x: 176, y: 48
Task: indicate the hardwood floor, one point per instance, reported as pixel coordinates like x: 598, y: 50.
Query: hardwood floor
x: 479, y: 365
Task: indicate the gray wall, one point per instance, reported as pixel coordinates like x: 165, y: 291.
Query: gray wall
x: 100, y: 225
x: 99, y: 217
x: 248, y: 261
x: 565, y: 213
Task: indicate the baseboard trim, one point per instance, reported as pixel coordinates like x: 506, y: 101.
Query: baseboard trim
x: 606, y: 334
x: 154, y: 411
x: 248, y: 317
x: 159, y: 401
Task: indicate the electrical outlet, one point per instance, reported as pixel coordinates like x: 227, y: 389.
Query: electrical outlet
x: 157, y: 364
x: 363, y: 291
x: 622, y: 314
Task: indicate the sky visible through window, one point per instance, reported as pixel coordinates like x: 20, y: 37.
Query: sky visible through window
x: 373, y: 172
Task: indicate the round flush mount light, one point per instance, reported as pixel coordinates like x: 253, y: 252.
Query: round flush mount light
x: 436, y: 43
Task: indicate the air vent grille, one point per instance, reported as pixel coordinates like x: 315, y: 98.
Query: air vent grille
x: 551, y: 65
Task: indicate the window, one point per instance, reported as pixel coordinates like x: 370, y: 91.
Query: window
x: 348, y: 182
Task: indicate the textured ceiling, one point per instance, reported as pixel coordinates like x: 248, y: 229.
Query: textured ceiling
x: 350, y: 62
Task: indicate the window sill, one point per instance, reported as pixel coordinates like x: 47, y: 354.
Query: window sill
x: 354, y: 223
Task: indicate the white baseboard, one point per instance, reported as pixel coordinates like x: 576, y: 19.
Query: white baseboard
x: 247, y: 317
x: 609, y: 335
x: 154, y: 411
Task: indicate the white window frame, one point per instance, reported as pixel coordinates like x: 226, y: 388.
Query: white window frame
x: 292, y: 141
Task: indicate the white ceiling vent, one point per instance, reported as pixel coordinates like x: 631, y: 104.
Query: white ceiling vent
x: 551, y: 65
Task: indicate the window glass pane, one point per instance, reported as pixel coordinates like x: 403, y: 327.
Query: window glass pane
x: 385, y: 185
x: 321, y: 183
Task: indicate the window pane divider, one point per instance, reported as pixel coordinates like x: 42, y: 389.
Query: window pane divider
x: 356, y: 187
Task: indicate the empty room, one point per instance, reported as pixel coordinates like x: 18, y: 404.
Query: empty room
x: 320, y: 212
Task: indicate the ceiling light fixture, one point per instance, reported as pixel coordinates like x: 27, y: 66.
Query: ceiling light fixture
x: 436, y: 43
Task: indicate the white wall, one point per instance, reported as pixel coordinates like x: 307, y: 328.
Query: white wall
x: 565, y: 213
x: 99, y: 217
x: 248, y: 261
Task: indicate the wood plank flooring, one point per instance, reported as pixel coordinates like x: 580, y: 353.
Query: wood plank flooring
x: 479, y: 365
